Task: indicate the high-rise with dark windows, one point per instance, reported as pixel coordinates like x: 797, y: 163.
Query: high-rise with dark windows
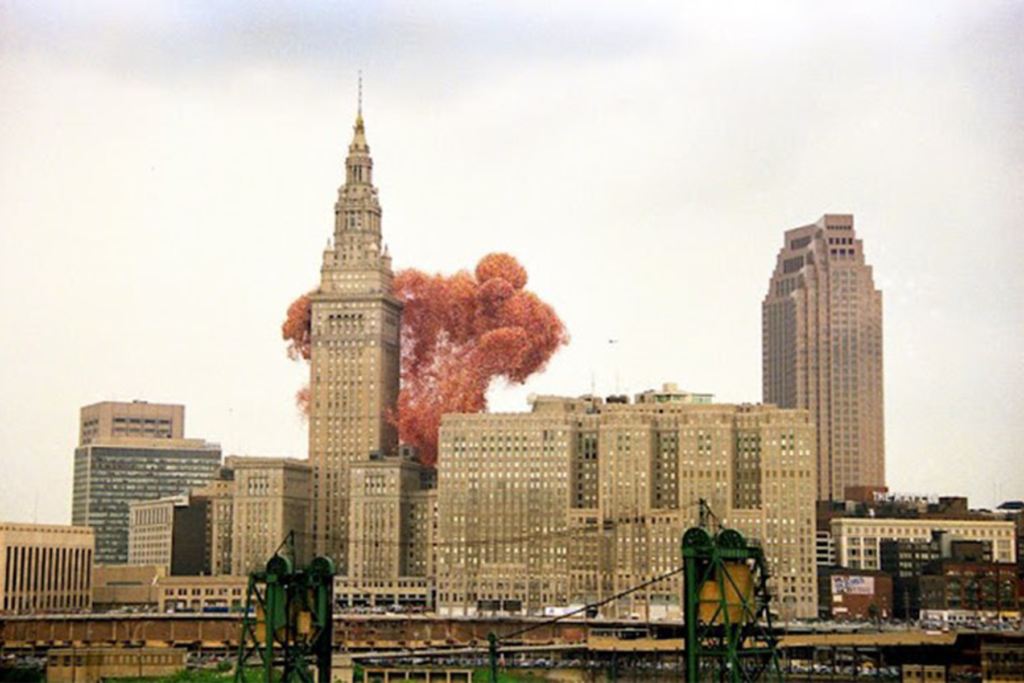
x: 129, y: 452
x: 822, y: 350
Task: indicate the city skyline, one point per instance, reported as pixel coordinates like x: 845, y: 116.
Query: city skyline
x: 161, y: 206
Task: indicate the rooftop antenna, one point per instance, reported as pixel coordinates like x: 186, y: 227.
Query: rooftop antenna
x: 360, y: 104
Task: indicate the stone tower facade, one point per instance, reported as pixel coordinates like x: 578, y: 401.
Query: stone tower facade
x: 354, y: 367
x: 822, y: 350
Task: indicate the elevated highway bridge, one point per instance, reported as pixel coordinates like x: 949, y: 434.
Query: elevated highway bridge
x: 405, y: 633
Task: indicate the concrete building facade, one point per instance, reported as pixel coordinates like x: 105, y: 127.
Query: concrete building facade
x: 135, y: 419
x: 115, y: 467
x: 272, y: 498
x: 354, y: 364
x: 220, y: 502
x: 172, y: 531
x: 858, y: 540
x: 392, y: 527
x: 98, y: 664
x: 119, y: 587
x: 822, y: 350
x: 45, y: 568
x: 579, y: 500
x: 201, y: 593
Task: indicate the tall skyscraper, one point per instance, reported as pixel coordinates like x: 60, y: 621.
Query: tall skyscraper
x: 822, y: 350
x: 354, y: 368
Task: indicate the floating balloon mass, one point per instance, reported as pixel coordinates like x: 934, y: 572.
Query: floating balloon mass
x: 459, y: 333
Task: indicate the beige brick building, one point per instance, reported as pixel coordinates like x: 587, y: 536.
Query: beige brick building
x: 151, y: 530
x: 98, y: 664
x: 272, y: 497
x: 580, y: 499
x: 822, y: 350
x: 45, y: 568
x: 391, y: 532
x: 354, y: 368
x: 121, y: 587
x: 231, y: 526
x: 173, y: 531
x: 220, y: 501
x: 201, y: 593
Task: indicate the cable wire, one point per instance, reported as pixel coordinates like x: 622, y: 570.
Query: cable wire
x: 594, y: 605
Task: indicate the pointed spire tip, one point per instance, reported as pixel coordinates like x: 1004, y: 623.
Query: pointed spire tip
x: 359, y: 105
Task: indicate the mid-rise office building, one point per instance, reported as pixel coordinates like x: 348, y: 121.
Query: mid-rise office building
x: 905, y: 561
x: 171, y: 532
x: 980, y: 590
x: 580, y: 499
x: 822, y: 350
x: 45, y: 568
x: 391, y: 532
x: 354, y: 364
x: 232, y: 525
x: 272, y: 499
x: 858, y: 540
x: 219, y: 495
x: 114, y: 469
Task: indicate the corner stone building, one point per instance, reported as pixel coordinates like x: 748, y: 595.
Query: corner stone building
x: 822, y: 350
x: 579, y: 500
x: 271, y: 499
x: 354, y: 366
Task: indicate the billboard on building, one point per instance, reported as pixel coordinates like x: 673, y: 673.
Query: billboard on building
x: 853, y: 585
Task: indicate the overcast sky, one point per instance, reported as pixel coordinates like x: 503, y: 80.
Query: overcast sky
x: 168, y: 173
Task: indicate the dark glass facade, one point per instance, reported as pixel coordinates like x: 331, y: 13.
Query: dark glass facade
x: 110, y: 477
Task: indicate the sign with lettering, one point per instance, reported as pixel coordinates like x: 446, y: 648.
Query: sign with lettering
x: 853, y: 585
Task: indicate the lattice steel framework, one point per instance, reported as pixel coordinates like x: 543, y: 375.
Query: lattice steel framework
x: 729, y: 636
x: 286, y: 632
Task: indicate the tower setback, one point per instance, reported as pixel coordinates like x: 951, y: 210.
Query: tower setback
x: 355, y: 347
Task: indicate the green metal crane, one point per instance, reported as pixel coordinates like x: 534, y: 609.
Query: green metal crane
x: 287, y: 628
x: 729, y: 636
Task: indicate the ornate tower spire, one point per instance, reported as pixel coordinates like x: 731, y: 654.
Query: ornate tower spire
x: 355, y: 338
x: 357, y: 214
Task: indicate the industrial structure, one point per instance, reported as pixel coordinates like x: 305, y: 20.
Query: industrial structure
x: 288, y: 624
x: 728, y: 610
